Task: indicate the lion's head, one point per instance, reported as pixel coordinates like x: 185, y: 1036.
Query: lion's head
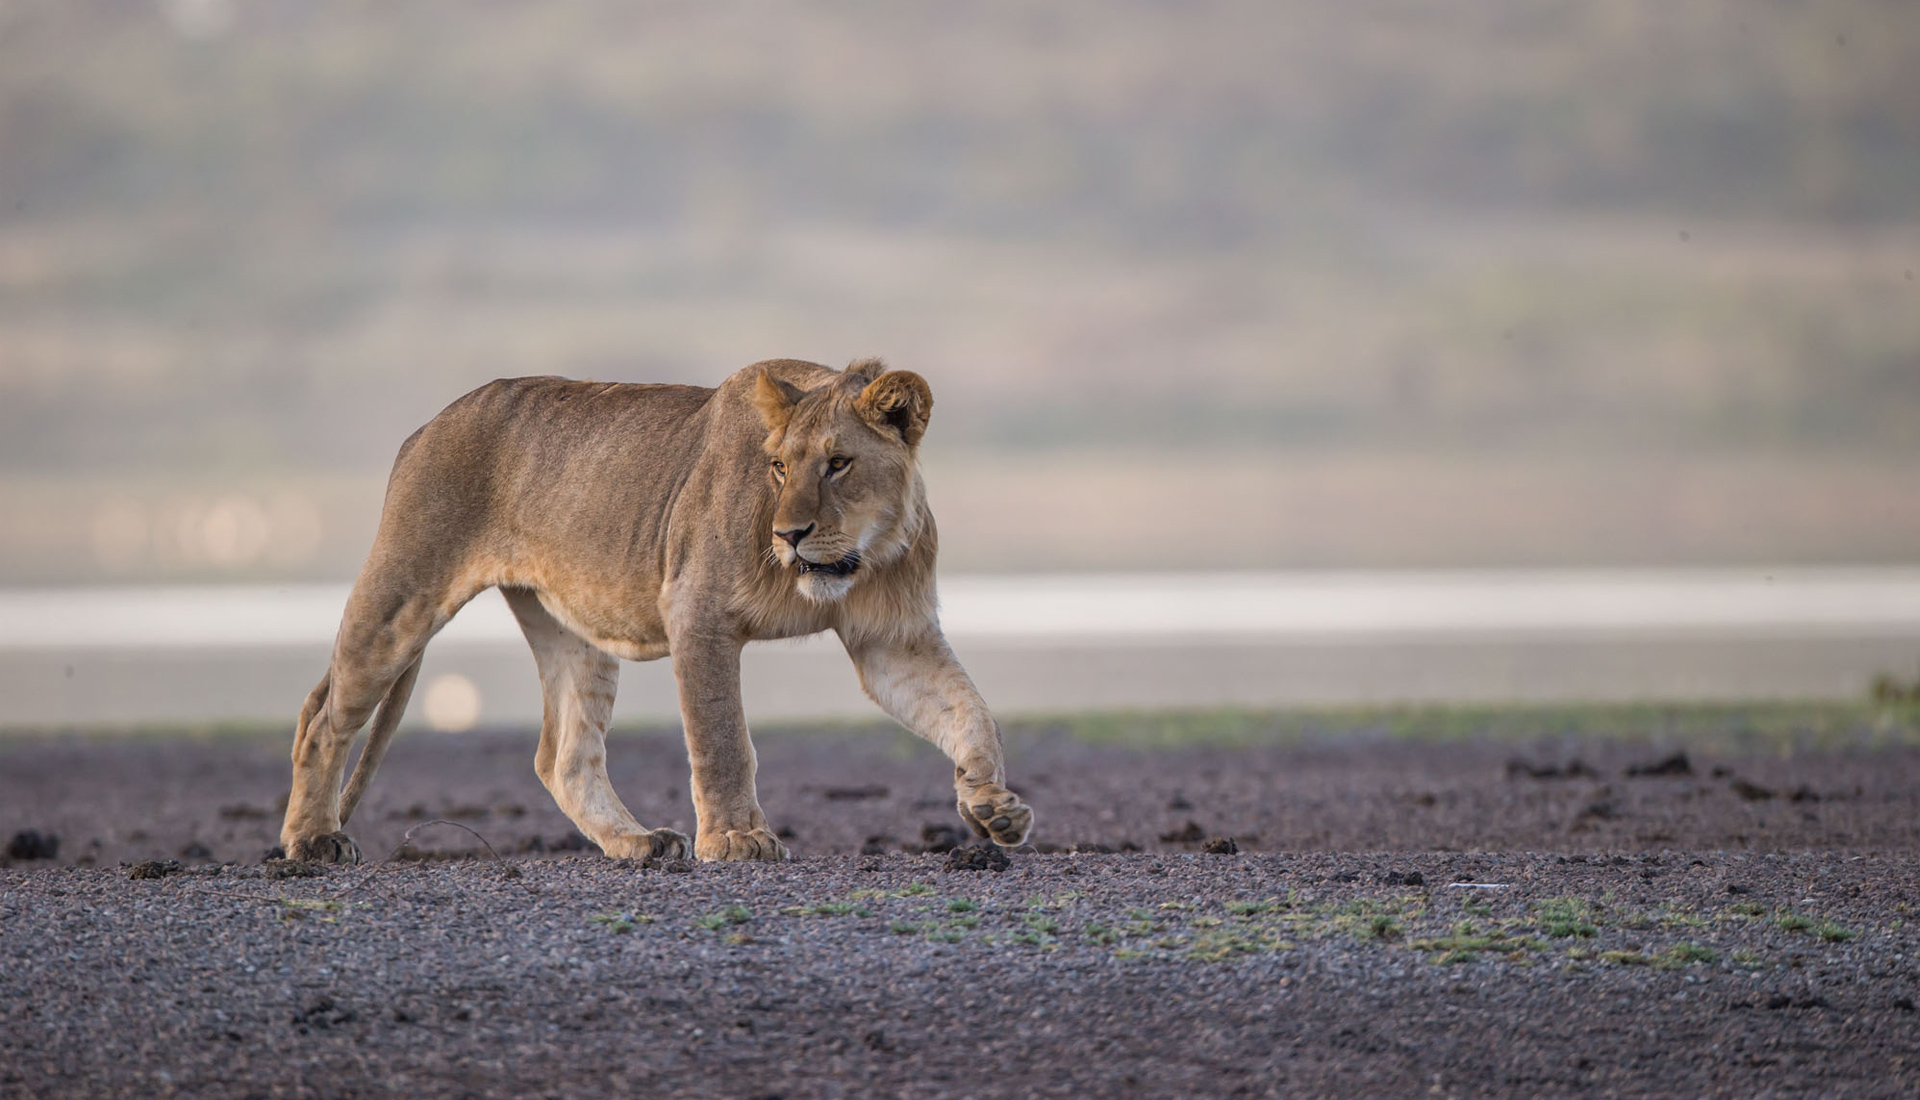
x: 841, y: 458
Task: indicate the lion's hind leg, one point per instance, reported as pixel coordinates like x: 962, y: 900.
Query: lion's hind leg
x: 373, y: 660
x: 577, y: 683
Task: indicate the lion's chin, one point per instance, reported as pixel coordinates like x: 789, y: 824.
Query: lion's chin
x: 822, y: 587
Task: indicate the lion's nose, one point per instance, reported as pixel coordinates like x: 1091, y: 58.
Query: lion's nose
x: 794, y: 535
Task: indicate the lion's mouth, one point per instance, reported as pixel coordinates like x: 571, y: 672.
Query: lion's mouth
x: 844, y: 567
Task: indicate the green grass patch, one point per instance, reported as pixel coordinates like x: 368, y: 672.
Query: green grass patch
x: 722, y: 918
x: 1686, y: 954
x: 1566, y: 917
x: 1724, y: 727
x: 1466, y: 942
x: 620, y: 923
x: 1829, y: 932
x: 1792, y: 922
x: 835, y: 909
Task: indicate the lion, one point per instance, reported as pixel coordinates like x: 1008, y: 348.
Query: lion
x: 637, y: 521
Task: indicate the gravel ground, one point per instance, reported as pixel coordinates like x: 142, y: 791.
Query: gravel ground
x: 1734, y: 923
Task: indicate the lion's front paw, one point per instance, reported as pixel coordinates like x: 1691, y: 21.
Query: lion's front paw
x: 997, y: 814
x: 729, y: 844
x: 325, y: 848
x: 652, y: 844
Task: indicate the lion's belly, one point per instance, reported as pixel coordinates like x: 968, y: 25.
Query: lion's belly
x: 636, y: 636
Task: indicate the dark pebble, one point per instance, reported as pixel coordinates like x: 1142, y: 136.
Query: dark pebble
x: 154, y: 868
x: 31, y: 844
x: 938, y: 838
x: 1190, y: 833
x: 979, y: 857
x: 1221, y: 846
x: 853, y: 794
x: 1677, y: 764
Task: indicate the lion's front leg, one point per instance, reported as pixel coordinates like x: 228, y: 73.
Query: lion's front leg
x: 731, y: 824
x: 922, y: 685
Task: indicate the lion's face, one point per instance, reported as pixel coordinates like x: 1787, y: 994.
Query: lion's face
x: 841, y: 461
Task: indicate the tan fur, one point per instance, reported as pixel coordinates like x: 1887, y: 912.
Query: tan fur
x: 632, y: 521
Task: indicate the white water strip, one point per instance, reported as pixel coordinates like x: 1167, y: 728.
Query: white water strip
x: 1105, y: 608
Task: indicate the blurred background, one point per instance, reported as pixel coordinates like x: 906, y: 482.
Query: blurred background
x: 1558, y: 291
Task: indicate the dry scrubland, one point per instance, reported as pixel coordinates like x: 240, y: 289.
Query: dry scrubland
x: 1670, y: 901
x: 1599, y: 283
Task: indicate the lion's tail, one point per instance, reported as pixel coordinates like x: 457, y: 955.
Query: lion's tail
x: 384, y: 723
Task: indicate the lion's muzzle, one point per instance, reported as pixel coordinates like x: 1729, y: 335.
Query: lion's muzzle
x: 842, y: 568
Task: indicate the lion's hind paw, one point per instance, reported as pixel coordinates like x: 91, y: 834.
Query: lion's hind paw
x: 652, y: 844
x: 325, y: 848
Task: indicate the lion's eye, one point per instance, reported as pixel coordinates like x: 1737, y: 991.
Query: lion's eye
x: 779, y: 467
x: 838, y: 463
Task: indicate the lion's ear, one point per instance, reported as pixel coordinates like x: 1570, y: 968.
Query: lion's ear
x: 775, y: 400
x: 897, y: 400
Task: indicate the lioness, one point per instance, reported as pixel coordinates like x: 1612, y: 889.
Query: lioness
x: 636, y: 521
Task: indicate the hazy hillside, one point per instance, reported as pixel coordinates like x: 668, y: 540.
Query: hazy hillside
x: 265, y: 239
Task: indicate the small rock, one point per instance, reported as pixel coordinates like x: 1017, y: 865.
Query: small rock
x: 31, y: 844
x: 196, y: 851
x: 678, y: 866
x: 1091, y: 850
x: 273, y: 853
x: 1220, y: 846
x: 979, y: 857
x: 1574, y: 769
x: 939, y: 838
x: 854, y: 794
x: 1405, y: 878
x: 1179, y: 802
x: 876, y: 845
x: 292, y: 868
x: 1677, y: 764
x: 154, y: 868
x: 1751, y: 791
x: 1190, y: 833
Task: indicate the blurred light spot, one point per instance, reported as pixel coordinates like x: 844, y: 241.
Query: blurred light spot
x: 452, y: 703
x: 234, y: 531
x: 120, y: 536
x: 296, y: 528
x: 199, y: 19
x: 176, y: 532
